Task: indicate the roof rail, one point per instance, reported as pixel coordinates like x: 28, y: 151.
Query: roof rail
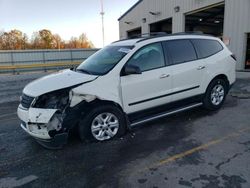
x: 189, y: 33
x: 144, y: 36
x: 119, y: 40
x: 175, y: 34
x: 162, y: 34
x: 147, y: 36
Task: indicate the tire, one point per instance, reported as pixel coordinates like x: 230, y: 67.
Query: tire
x: 92, y: 124
x: 215, y: 94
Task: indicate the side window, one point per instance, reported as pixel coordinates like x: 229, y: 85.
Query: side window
x: 149, y: 57
x: 206, y: 47
x: 180, y: 51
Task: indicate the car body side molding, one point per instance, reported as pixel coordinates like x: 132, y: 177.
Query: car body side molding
x: 161, y: 96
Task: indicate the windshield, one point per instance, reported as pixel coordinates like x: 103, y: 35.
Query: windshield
x: 104, y: 60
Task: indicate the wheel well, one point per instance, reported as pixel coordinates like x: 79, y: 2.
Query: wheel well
x: 97, y: 102
x: 223, y: 77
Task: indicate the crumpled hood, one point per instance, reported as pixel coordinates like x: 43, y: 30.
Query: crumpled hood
x: 56, y: 81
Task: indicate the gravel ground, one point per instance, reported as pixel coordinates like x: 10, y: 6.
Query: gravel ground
x: 190, y: 149
x: 11, y: 86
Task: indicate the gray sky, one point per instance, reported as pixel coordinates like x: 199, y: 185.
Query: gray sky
x: 65, y: 17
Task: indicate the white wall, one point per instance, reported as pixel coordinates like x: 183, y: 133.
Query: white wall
x: 166, y: 8
x: 236, y: 24
x: 236, y: 27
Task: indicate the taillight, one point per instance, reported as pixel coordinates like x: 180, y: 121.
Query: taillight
x: 234, y: 57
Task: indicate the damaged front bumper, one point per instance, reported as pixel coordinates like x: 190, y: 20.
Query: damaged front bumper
x: 45, y: 125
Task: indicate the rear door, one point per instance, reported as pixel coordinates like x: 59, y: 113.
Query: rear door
x: 188, y: 70
x: 151, y: 88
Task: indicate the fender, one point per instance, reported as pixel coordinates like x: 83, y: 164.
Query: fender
x: 103, y: 88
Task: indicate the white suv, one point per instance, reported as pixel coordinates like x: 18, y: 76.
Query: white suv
x: 125, y: 84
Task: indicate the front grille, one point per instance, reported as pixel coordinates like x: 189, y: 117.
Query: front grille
x: 26, y: 100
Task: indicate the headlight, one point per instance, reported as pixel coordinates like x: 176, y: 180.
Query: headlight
x: 53, y: 100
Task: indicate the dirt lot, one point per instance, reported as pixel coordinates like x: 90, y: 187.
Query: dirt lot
x: 190, y: 149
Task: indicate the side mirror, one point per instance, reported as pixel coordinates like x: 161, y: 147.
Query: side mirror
x: 132, y: 69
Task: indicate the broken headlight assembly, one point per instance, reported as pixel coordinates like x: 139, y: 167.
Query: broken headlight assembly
x: 54, y: 100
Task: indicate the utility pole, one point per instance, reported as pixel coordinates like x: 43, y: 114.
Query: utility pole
x: 102, y: 15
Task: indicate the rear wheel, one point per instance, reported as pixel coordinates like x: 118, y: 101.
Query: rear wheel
x: 215, y: 94
x: 102, y: 123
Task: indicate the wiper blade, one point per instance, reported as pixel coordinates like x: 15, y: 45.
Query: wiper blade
x: 84, y: 71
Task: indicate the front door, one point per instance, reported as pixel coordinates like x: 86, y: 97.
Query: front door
x: 149, y: 89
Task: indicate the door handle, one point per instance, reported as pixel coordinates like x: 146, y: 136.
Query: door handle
x: 164, y: 76
x: 201, y: 67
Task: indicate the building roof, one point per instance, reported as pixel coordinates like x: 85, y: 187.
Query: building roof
x: 138, y: 2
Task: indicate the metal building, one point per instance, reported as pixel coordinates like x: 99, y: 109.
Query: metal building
x: 227, y: 19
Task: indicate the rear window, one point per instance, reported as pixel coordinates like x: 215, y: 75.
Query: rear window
x: 206, y: 47
x: 180, y: 51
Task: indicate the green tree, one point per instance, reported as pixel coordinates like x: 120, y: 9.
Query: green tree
x: 47, y: 39
x: 13, y: 40
x: 43, y: 39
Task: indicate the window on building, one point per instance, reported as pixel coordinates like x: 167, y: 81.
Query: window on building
x: 134, y: 33
x: 206, y: 48
x: 149, y: 57
x: 180, y: 51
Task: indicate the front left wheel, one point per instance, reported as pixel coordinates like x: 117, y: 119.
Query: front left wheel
x: 102, y: 123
